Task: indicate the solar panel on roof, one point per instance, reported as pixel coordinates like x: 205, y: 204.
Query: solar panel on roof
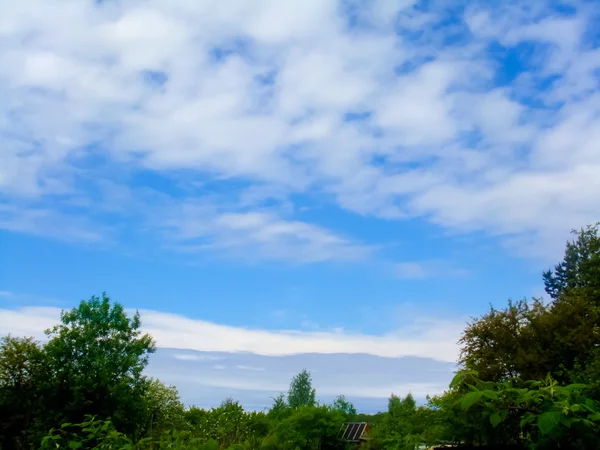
x: 353, y: 431
x: 360, y: 428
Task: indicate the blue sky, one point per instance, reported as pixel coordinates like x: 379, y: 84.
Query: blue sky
x: 301, y: 177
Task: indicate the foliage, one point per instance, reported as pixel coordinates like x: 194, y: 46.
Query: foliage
x: 279, y: 409
x: 309, y: 427
x: 549, y: 415
x: 397, y: 429
x: 90, y: 434
x: 301, y: 392
x: 580, y: 267
x: 345, y: 407
x: 97, y: 355
x: 530, y: 340
x: 510, y: 342
x: 162, y: 410
x: 24, y: 375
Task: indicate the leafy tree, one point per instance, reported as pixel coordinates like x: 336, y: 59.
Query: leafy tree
x: 308, y: 428
x: 279, y: 408
x: 24, y: 375
x: 397, y: 430
x: 530, y: 340
x: 162, y: 410
x: 344, y: 406
x: 580, y: 267
x: 549, y: 415
x: 301, y: 392
x: 97, y: 355
x: 232, y: 423
x: 510, y: 342
x: 90, y: 434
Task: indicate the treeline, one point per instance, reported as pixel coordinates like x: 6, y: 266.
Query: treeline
x: 529, y: 379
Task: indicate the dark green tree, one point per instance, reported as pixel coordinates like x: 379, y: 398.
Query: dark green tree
x: 24, y: 389
x: 97, y: 355
x: 279, y: 409
x: 301, y: 392
x: 580, y: 267
x: 539, y: 414
x: 510, y: 342
x: 308, y: 428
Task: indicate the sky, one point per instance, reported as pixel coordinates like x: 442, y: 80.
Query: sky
x: 293, y: 182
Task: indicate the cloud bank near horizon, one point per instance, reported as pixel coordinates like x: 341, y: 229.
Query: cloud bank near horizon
x: 423, y: 337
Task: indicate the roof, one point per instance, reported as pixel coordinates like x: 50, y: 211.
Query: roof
x: 353, y: 431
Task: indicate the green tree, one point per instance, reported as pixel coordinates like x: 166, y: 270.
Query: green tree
x: 530, y: 340
x: 308, y: 428
x: 162, y: 410
x: 232, y: 423
x: 510, y: 342
x: 543, y: 414
x: 580, y: 267
x: 97, y: 355
x: 24, y: 375
x: 301, y: 392
x: 279, y: 409
x: 344, y: 406
x: 396, y: 431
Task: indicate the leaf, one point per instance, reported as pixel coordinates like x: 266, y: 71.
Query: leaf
x: 75, y: 445
x: 527, y: 419
x: 548, y: 421
x: 490, y: 394
x: 470, y: 399
x: 495, y: 419
x: 460, y: 376
x: 576, y: 386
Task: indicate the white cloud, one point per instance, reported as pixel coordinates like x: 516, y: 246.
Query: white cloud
x: 259, y: 235
x: 428, y: 338
x: 439, y: 140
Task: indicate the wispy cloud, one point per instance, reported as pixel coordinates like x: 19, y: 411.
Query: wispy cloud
x: 434, y: 338
x: 258, y: 235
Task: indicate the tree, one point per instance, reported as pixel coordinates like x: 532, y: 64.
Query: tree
x: 97, y: 355
x: 308, y: 428
x: 580, y: 267
x: 530, y: 340
x: 162, y: 410
x: 232, y: 423
x: 24, y: 373
x: 344, y: 406
x: 279, y: 409
x: 510, y: 342
x: 542, y: 413
x: 301, y: 392
x: 397, y: 429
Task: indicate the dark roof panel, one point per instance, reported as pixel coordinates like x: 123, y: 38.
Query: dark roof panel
x: 353, y: 431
